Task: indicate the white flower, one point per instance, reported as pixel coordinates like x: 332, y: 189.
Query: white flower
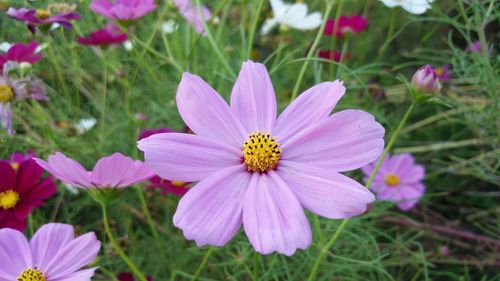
x: 128, y: 45
x: 292, y: 15
x: 169, y: 26
x: 85, y: 125
x: 412, y: 6
x: 5, y: 46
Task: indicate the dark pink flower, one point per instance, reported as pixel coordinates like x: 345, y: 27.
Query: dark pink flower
x: 17, y: 158
x: 443, y: 72
x: 123, y: 10
x: 149, y: 132
x: 109, y: 35
x: 178, y: 188
x: 39, y: 17
x: 127, y: 276
x: 474, y: 47
x: 332, y: 55
x: 345, y: 25
x: 22, y: 188
x: 21, y: 53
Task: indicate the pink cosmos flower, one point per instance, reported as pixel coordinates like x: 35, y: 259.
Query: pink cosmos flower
x: 123, y: 10
x: 109, y: 35
x: 345, y: 25
x: 259, y: 170
x: 443, y: 72
x: 22, y: 188
x: 398, y: 180
x: 333, y: 55
x: 53, y: 254
x: 12, y: 90
x: 474, y: 47
x: 41, y: 17
x: 127, y: 276
x: 191, y: 12
x: 21, y: 53
x: 115, y: 171
x: 425, y: 80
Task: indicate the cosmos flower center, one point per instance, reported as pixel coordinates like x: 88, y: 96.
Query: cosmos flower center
x: 261, y: 152
x: 14, y: 165
x: 178, y: 183
x: 42, y: 14
x: 6, y: 93
x: 31, y: 275
x: 391, y: 180
x: 9, y: 199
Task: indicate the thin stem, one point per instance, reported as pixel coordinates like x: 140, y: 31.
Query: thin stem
x: 255, y: 272
x: 203, y: 263
x: 342, y: 56
x: 149, y: 220
x: 312, y: 50
x: 336, y: 235
x: 117, y: 246
x: 390, y: 32
x: 254, y: 28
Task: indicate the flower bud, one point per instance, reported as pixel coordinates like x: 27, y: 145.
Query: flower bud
x: 425, y: 81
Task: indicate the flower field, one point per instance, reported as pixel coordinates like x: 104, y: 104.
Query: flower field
x: 249, y: 140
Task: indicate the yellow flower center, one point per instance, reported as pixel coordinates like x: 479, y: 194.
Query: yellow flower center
x: 31, y: 275
x: 9, y: 199
x: 261, y: 152
x: 391, y: 180
x: 178, y: 183
x: 14, y: 165
x: 6, y: 93
x: 42, y: 14
x: 438, y: 71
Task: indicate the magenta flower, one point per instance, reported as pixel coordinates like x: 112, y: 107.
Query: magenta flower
x: 426, y: 81
x: 193, y: 13
x: 398, y: 180
x: 21, y: 53
x: 53, y: 254
x: 333, y: 55
x: 178, y: 188
x: 149, y: 132
x: 443, y: 72
x: 109, y: 35
x: 474, y: 47
x: 19, y: 89
x: 261, y: 171
x: 115, y: 171
x: 22, y: 188
x: 17, y: 158
x: 345, y: 25
x: 41, y: 17
x: 123, y: 10
x: 127, y: 276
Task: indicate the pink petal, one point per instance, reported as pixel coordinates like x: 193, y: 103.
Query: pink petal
x: 311, y: 106
x: 48, y: 241
x: 102, y: 7
x: 273, y: 217
x: 15, y: 254
x: 325, y: 192
x: 345, y: 141
x: 253, y: 99
x: 28, y: 175
x: 7, y: 176
x: 66, y: 169
x: 210, y: 212
x: 118, y: 170
x: 410, y: 195
x: 206, y: 113
x: 82, y: 275
x: 73, y: 255
x: 185, y: 157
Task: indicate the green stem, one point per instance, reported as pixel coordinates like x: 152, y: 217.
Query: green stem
x: 255, y: 272
x: 312, y: 50
x: 390, y: 32
x: 149, y: 220
x: 333, y: 46
x: 336, y: 235
x: 117, y: 246
x: 203, y: 263
x: 342, y: 55
x: 254, y: 28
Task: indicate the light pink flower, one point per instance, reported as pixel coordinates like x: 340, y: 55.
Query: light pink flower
x: 115, y: 171
x: 53, y: 254
x: 259, y: 170
x: 123, y: 10
x: 398, y: 180
x: 425, y: 80
x: 192, y: 13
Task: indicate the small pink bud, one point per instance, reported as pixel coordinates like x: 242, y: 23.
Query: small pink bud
x: 426, y: 81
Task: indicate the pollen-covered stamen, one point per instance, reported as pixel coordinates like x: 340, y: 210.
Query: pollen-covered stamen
x: 42, y: 14
x: 31, y: 275
x: 391, y: 180
x: 6, y: 93
x: 261, y: 152
x: 9, y: 199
